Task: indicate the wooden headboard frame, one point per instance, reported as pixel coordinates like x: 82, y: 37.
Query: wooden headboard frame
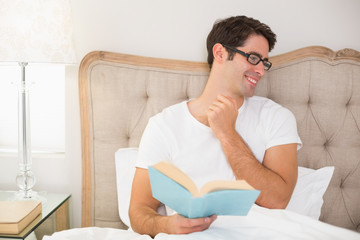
x: 91, y: 59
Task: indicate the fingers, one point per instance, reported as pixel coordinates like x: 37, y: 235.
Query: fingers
x: 193, y: 222
x: 226, y: 100
x: 187, y: 225
x: 222, y: 102
x: 200, y: 224
x: 223, y: 109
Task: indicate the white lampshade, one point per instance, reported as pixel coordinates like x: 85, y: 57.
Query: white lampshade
x: 36, y: 31
x: 33, y: 31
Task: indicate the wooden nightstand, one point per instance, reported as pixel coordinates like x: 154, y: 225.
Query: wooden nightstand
x: 55, y: 216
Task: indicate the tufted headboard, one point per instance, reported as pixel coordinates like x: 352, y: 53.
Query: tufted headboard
x: 118, y: 94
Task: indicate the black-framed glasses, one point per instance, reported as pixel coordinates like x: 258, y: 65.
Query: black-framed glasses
x: 251, y: 57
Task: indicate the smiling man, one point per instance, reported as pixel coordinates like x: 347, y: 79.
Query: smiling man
x: 227, y: 133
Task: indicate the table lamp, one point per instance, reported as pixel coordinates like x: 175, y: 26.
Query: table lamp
x: 35, y: 31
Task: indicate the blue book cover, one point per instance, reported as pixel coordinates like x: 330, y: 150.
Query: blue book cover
x: 234, y: 198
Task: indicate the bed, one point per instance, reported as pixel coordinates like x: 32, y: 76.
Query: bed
x: 119, y: 93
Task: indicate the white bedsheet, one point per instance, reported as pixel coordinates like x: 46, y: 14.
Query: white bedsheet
x: 260, y: 223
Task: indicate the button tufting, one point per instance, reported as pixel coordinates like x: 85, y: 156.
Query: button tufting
x: 341, y: 184
x: 127, y: 138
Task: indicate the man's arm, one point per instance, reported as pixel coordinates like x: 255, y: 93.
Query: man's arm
x: 275, y: 178
x: 145, y: 219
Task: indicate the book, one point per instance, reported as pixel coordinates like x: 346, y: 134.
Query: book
x: 16, y: 215
x: 176, y: 190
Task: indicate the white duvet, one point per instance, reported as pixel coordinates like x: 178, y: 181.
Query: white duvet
x: 261, y: 223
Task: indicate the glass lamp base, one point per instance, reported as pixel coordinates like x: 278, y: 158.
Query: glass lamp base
x: 38, y: 196
x: 25, y: 180
x: 26, y: 195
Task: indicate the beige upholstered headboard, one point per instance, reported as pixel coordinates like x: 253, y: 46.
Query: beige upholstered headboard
x: 118, y: 94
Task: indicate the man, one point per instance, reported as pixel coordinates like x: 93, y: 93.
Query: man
x: 226, y: 133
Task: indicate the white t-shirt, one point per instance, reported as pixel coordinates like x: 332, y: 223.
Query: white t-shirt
x: 176, y: 136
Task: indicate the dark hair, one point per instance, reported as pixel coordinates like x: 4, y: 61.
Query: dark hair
x: 234, y: 31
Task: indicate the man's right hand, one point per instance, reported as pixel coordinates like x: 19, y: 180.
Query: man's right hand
x: 182, y: 225
x: 222, y: 115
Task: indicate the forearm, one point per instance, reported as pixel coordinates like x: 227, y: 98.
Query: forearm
x: 145, y: 220
x: 142, y: 210
x: 275, y: 191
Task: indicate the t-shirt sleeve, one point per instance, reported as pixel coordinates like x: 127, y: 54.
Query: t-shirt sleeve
x: 154, y: 145
x: 282, y: 129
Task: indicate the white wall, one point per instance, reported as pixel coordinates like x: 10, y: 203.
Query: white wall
x: 177, y: 30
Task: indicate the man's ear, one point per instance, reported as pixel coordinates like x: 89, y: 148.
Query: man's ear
x: 219, y: 52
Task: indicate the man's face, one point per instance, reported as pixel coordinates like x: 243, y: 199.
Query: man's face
x: 242, y: 75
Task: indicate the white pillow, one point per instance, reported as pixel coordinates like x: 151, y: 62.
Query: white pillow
x: 307, y: 198
x: 125, y: 159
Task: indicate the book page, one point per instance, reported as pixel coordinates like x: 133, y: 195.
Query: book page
x: 225, y: 185
x: 178, y: 176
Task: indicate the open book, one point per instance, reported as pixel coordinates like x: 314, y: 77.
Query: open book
x: 176, y: 190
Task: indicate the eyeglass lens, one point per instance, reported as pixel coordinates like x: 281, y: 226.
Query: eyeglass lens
x: 254, y: 59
